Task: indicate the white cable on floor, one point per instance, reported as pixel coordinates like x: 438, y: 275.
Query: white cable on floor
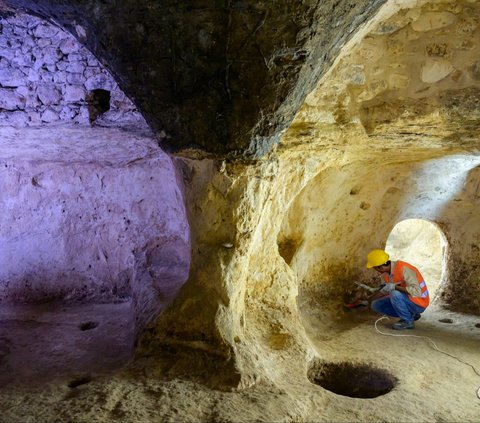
x: 434, y: 347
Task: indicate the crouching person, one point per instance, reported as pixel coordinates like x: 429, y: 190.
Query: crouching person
x: 404, y: 294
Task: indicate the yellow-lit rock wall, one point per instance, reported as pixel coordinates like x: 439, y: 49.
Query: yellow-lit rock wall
x: 390, y: 133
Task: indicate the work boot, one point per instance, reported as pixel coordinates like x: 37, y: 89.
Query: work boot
x: 402, y: 324
x: 416, y: 316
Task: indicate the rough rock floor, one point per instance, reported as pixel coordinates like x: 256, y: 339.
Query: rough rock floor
x: 431, y: 386
x: 41, y: 343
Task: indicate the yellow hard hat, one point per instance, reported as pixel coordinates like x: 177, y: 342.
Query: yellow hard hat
x: 377, y: 258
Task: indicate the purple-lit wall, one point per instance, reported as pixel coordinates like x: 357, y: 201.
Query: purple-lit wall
x: 46, y: 77
x: 90, y: 218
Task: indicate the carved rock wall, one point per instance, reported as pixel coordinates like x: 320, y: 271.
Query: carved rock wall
x: 91, y: 218
x: 290, y: 234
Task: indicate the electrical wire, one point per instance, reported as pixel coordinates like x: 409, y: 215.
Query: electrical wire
x: 434, y: 347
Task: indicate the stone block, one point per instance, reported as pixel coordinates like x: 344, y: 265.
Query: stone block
x: 433, y: 20
x: 4, y: 41
x: 7, y: 53
x: 43, y: 42
x: 23, y: 90
x: 45, y: 75
x: 76, y: 67
x: 11, y: 100
x: 28, y: 42
x: 91, y: 71
x: 62, y: 64
x: 14, y: 44
x: 48, y: 94
x: 49, y: 116
x: 10, y: 77
x: 435, y: 70
x: 75, y: 79
x: 83, y: 115
x: 23, y: 60
x: 18, y: 119
x: 34, y: 118
x: 4, y: 63
x: 67, y: 113
x: 33, y: 75
x: 77, y: 57
x: 32, y: 101
x: 92, y: 60
x: 37, y: 65
x: 99, y: 81
x: 60, y: 77
x: 51, y: 55
x: 74, y: 93
x: 59, y: 37
x: 69, y: 46
x: 45, y: 31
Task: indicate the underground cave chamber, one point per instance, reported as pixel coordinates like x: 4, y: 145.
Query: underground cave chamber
x: 94, y: 235
x: 396, y: 117
x: 391, y: 136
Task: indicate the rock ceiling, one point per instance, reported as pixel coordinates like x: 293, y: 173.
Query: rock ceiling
x: 246, y: 65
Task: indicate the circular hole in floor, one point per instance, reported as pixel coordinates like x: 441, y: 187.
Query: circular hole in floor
x: 352, y: 379
x: 446, y: 321
x: 79, y: 381
x: 88, y: 325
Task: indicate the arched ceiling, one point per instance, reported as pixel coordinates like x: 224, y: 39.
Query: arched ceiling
x: 222, y: 77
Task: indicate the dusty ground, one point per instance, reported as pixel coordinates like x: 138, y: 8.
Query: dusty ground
x: 43, y: 342
x: 431, y: 386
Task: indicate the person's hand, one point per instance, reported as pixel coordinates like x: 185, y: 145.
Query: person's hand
x: 388, y: 288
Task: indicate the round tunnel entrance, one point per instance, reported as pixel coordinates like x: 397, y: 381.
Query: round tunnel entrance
x: 352, y: 379
x: 423, y: 244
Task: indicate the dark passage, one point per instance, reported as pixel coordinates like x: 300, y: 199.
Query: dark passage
x: 98, y: 103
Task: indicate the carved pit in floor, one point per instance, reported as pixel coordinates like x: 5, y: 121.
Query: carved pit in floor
x: 352, y: 379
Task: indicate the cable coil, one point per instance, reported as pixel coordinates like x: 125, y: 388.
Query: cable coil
x: 434, y: 347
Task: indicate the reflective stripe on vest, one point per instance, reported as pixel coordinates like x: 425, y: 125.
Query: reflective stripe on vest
x: 424, y: 299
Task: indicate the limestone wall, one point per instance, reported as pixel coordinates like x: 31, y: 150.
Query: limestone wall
x: 91, y: 216
x: 285, y: 237
x: 47, y: 76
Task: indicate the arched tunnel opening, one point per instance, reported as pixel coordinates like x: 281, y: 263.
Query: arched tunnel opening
x: 423, y: 244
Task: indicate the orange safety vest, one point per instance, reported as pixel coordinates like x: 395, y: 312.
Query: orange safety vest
x: 397, y: 278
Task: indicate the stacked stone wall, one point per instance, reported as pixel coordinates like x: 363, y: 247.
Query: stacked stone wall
x: 46, y: 76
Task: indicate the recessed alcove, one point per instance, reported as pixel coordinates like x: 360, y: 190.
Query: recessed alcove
x: 389, y: 134
x: 98, y: 103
